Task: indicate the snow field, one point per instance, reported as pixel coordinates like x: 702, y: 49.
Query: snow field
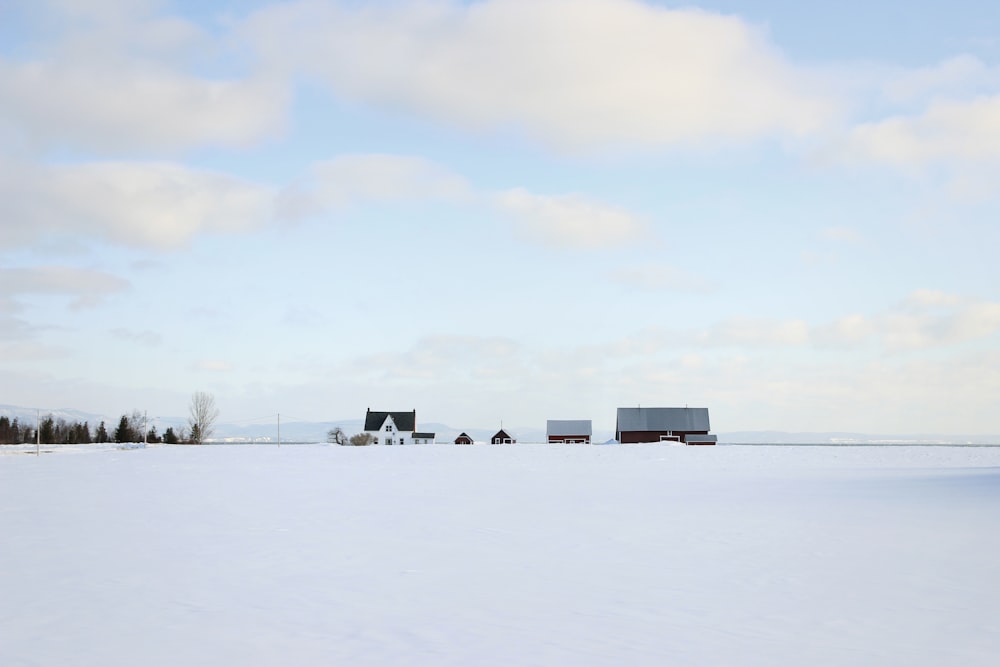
x: 510, y: 555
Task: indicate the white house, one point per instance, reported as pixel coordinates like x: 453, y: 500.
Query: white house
x: 395, y: 428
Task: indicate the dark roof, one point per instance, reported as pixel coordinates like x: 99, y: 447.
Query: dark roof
x: 464, y: 436
x: 405, y: 421
x: 428, y: 436
x: 502, y: 434
x: 662, y: 419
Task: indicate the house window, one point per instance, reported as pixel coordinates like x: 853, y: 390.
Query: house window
x: 401, y: 441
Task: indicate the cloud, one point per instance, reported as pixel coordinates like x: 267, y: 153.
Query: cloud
x: 575, y: 74
x: 85, y: 286
x: 948, y: 132
x: 145, y: 337
x: 134, y: 108
x: 352, y: 179
x: 482, y: 359
x: 659, y: 278
x: 157, y: 205
x: 960, y: 75
x: 841, y: 234
x: 925, y: 319
x: 165, y: 205
x: 569, y: 220
x: 756, y: 332
x: 213, y: 366
x: 114, y: 80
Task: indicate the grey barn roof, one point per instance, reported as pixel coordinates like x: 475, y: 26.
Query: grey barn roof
x: 405, y: 421
x: 569, y: 427
x: 425, y: 436
x: 662, y: 419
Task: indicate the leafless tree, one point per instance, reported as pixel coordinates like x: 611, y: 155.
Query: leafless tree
x: 202, y: 416
x: 336, y: 436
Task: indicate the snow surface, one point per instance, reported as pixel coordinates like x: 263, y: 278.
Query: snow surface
x: 510, y: 555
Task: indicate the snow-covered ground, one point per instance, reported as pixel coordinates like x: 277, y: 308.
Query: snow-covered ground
x: 516, y: 555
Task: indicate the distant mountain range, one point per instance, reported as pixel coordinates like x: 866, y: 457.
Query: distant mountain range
x: 300, y: 431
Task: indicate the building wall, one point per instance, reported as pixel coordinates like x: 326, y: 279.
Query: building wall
x: 653, y: 436
x: 583, y: 439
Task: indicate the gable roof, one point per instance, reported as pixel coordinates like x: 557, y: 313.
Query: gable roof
x: 569, y: 427
x: 662, y: 419
x: 502, y: 434
x: 405, y: 421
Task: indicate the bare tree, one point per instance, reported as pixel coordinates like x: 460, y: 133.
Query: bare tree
x: 202, y: 416
x: 336, y: 436
x: 362, y: 439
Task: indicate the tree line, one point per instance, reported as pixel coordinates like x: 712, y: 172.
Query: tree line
x: 52, y: 431
x: 132, y: 427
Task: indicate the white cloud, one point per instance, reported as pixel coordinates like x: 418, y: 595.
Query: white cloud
x: 657, y: 278
x: 373, y: 177
x: 213, y: 366
x: 959, y: 75
x: 164, y: 205
x: 948, y: 131
x: 486, y: 360
x: 133, y: 106
x: 114, y: 77
x: 572, y: 73
x: 841, y: 234
x: 569, y: 220
x: 756, y: 332
x: 145, y: 204
x: 144, y: 337
x: 83, y: 287
x: 925, y: 319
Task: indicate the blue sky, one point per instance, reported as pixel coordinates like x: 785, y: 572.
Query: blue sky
x: 505, y: 209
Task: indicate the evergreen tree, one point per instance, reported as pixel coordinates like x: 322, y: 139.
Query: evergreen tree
x: 47, y: 430
x: 124, y: 432
x: 102, y: 433
x: 169, y: 437
x: 5, y: 430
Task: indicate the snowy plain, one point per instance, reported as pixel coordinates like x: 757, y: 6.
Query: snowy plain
x: 510, y: 555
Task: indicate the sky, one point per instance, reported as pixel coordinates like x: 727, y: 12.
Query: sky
x: 504, y: 210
